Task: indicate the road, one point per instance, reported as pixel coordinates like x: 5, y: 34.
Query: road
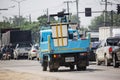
x: 93, y: 71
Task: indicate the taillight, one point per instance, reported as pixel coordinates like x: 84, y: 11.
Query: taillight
x: 34, y: 51
x: 110, y: 49
x: 55, y: 56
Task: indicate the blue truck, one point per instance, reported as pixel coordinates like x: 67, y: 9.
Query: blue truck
x: 62, y: 46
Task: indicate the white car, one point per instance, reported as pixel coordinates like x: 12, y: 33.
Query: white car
x: 21, y: 50
x: 104, y: 53
x: 34, y: 52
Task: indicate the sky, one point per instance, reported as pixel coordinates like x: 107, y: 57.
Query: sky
x: 38, y: 7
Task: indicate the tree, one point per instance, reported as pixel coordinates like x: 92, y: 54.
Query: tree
x: 16, y: 21
x: 99, y: 21
x: 43, y: 20
x: 74, y: 19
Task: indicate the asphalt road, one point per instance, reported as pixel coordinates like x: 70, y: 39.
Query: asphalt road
x: 93, y: 71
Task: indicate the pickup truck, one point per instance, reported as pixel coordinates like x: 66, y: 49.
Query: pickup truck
x: 107, y: 50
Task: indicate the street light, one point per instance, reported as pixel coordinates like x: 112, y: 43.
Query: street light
x: 5, y: 9
x: 18, y: 9
x: 8, y: 7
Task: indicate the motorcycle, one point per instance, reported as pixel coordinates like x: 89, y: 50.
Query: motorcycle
x: 6, y: 56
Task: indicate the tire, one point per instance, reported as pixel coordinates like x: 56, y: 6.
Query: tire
x: 37, y: 59
x: 84, y: 68
x: 80, y: 68
x: 55, y: 70
x: 32, y: 58
x: 52, y: 68
x: 45, y: 64
x: 72, y: 67
x: 9, y: 57
x: 115, y: 65
x: 106, y: 61
x: 44, y: 68
x: 28, y: 58
x: 97, y: 61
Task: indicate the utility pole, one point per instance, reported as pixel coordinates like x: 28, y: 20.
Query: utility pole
x: 68, y: 8
x: 105, y: 20
x: 48, y: 16
x: 47, y: 12
x: 112, y: 18
x: 30, y: 18
x: 105, y: 11
x: 19, y: 9
x: 78, y: 22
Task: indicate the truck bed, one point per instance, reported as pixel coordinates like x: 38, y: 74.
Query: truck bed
x: 73, y: 46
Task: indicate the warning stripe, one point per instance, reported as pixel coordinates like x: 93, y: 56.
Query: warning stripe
x: 61, y: 34
x: 57, y: 35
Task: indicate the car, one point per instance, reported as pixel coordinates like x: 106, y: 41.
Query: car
x: 106, y: 51
x: 21, y: 50
x: 34, y: 52
x: 116, y: 57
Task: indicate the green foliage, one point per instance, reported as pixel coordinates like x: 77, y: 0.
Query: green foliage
x: 4, y: 24
x: 99, y: 21
x: 43, y: 20
x: 74, y: 18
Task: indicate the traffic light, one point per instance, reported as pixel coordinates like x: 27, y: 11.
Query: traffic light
x: 118, y: 8
x: 87, y: 12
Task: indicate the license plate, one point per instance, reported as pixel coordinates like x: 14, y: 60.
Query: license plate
x: 69, y: 59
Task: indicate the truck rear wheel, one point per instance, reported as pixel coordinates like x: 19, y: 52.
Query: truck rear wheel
x: 52, y: 67
x: 79, y: 68
x: 72, y: 67
x: 53, y: 70
x: 115, y: 65
x: 44, y: 66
